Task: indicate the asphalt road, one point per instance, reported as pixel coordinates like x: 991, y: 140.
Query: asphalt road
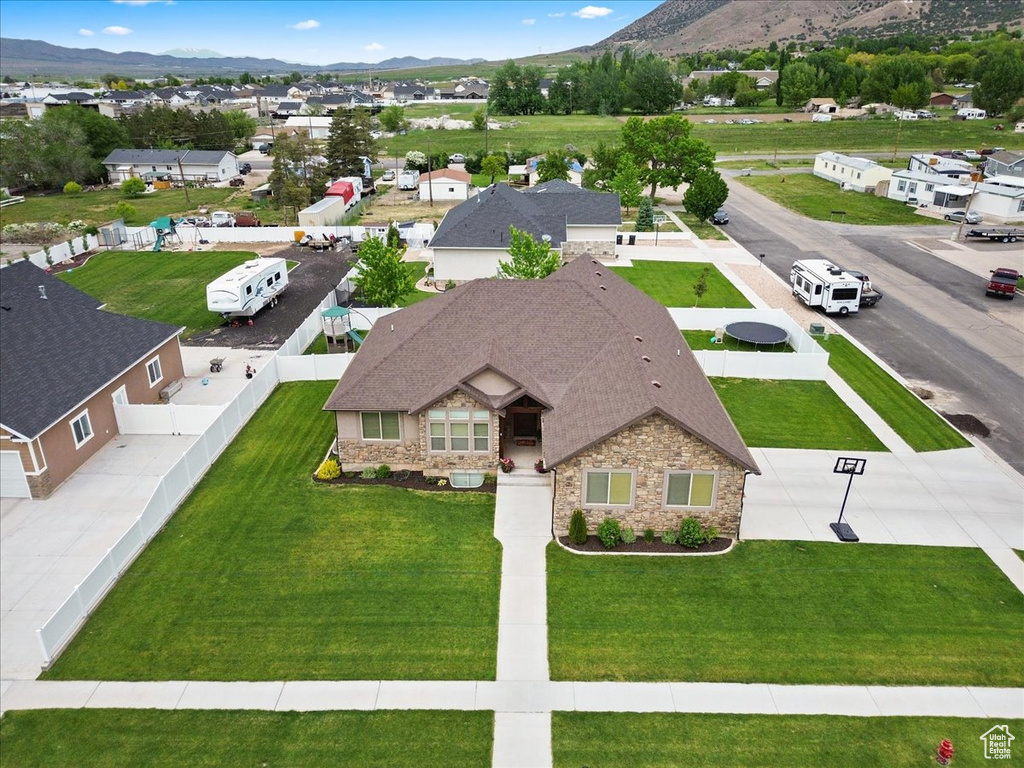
x: 935, y: 326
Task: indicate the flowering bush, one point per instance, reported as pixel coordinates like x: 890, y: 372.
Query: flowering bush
x: 506, y: 464
x: 36, y: 232
x: 329, y: 470
x: 539, y: 466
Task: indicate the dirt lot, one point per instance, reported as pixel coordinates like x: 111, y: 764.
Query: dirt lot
x: 308, y: 283
x: 404, y: 205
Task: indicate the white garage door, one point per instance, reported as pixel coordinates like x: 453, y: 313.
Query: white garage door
x: 13, y: 482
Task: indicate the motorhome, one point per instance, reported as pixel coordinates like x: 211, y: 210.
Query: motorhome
x: 408, y: 179
x: 820, y: 283
x: 247, y: 288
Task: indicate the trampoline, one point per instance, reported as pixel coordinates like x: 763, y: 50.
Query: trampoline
x: 757, y: 334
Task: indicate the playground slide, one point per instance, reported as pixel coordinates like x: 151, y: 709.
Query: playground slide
x: 159, y: 243
x: 354, y: 335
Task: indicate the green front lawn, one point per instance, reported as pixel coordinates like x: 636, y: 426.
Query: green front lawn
x: 671, y: 283
x: 108, y: 738
x: 706, y: 340
x: 817, y: 198
x: 169, y: 287
x: 416, y: 270
x: 95, y: 208
x: 787, y: 612
x: 705, y: 230
x: 775, y: 414
x: 263, y: 575
x: 658, y: 740
x: 915, y: 422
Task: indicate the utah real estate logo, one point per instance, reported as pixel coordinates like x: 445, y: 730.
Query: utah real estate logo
x: 997, y: 742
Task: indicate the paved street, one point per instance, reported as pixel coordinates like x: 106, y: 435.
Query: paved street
x: 935, y: 326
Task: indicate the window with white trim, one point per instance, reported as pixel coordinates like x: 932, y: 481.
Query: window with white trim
x: 380, y: 425
x: 81, y: 429
x: 608, y: 488
x: 458, y: 430
x: 690, y: 489
x: 154, y: 370
x: 901, y: 186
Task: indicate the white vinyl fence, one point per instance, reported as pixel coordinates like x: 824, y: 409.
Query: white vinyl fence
x: 312, y: 367
x: 809, y: 363
x: 175, y: 485
x: 417, y: 233
x: 168, y: 419
x: 60, y: 251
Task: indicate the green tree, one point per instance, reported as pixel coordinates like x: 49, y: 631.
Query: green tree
x: 132, y: 188
x: 479, y: 119
x: 650, y: 87
x: 531, y: 259
x: 645, y: 215
x: 798, y: 84
x: 552, y: 167
x: 706, y: 194
x: 124, y: 210
x: 515, y: 90
x: 392, y: 119
x: 493, y: 165
x: 242, y: 125
x: 627, y: 182
x: 382, y: 278
x: 1000, y: 83
x: 668, y: 154
x: 783, y: 61
x: 701, y: 286
x: 348, y: 141
x: 888, y: 73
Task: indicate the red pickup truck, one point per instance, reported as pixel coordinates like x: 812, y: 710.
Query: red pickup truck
x: 1003, y: 283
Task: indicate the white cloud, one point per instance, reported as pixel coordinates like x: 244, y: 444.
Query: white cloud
x: 373, y: 47
x: 116, y: 31
x: 529, y: 22
x: 86, y: 32
x: 556, y: 15
x: 592, y: 12
x: 307, y: 24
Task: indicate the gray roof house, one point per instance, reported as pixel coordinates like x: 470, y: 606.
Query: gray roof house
x: 1005, y: 163
x: 65, y: 362
x: 192, y: 164
x: 580, y: 370
x: 474, y: 236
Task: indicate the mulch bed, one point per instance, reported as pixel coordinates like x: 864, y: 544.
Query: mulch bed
x: 416, y: 481
x: 70, y: 264
x: 593, y: 544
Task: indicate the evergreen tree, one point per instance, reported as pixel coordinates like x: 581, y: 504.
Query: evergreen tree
x: 348, y: 141
x: 645, y: 215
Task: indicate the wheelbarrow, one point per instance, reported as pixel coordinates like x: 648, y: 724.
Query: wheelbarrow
x: 216, y: 363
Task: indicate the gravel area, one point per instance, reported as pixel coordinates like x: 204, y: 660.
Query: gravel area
x: 316, y: 275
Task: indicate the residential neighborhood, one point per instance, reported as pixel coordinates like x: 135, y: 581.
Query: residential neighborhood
x: 640, y: 387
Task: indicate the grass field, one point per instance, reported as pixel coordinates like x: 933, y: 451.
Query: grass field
x: 115, y: 738
x: 912, y: 420
x: 671, y: 283
x: 816, y: 198
x: 704, y: 230
x: 416, y: 269
x: 787, y: 612
x: 660, y: 740
x: 96, y: 208
x: 169, y: 287
x: 264, y: 575
x: 773, y: 414
x: 706, y: 340
x: 796, y: 162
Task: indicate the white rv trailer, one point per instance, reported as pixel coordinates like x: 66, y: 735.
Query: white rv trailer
x: 408, y: 179
x: 247, y: 288
x: 820, y: 283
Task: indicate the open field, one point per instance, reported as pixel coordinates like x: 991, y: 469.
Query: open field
x: 671, y: 283
x: 170, y: 288
x: 817, y: 198
x: 773, y: 414
x: 110, y: 738
x: 753, y: 741
x: 912, y: 420
x: 95, y: 208
x: 787, y: 612
x: 264, y: 575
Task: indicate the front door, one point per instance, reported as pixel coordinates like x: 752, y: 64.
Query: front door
x: 526, y: 424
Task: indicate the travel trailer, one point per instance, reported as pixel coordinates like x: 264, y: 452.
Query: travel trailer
x: 247, y: 288
x: 408, y: 179
x: 969, y: 113
x: 820, y: 283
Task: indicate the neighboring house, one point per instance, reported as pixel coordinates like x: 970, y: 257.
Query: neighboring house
x: 1000, y: 198
x: 187, y: 164
x: 315, y: 126
x: 916, y: 187
x: 941, y: 100
x: 924, y: 175
x: 1005, y: 163
x: 445, y: 184
x: 763, y: 78
x: 65, y: 363
x: 822, y: 106
x: 528, y: 171
x: 580, y: 369
x: 474, y: 236
x: 940, y: 166
x: 288, y: 108
x: 412, y: 93
x: 854, y: 173
x: 963, y: 100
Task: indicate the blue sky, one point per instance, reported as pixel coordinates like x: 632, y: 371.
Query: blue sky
x: 322, y: 32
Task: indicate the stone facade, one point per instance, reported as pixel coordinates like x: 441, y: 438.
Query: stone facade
x: 412, y: 451
x: 650, y: 447
x: 598, y: 249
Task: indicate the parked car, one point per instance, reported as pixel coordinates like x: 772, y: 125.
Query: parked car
x: 958, y: 154
x: 244, y: 168
x: 970, y: 154
x: 924, y: 114
x: 1003, y: 283
x: 263, y: 148
x: 222, y: 219
x: 458, y: 157
x: 971, y: 217
x: 246, y: 219
x: 193, y: 221
x: 388, y: 176
x: 720, y: 217
x: 238, y: 181
x: 943, y: 153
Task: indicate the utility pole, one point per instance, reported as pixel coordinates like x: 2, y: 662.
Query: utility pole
x: 183, y: 184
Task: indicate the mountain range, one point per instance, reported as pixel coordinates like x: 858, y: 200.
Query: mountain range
x: 31, y: 58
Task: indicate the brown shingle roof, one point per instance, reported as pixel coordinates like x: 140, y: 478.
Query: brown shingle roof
x: 600, y: 353
x: 447, y: 173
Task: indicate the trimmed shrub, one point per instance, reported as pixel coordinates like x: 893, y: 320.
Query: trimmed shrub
x: 133, y: 187
x: 72, y: 188
x: 669, y: 536
x: 629, y: 536
x: 578, y: 527
x: 328, y: 470
x: 383, y: 472
x: 369, y: 473
x: 710, y: 534
x: 691, y: 534
x: 648, y: 535
x: 609, y: 532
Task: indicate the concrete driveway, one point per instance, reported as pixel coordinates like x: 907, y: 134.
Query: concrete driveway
x: 47, y: 547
